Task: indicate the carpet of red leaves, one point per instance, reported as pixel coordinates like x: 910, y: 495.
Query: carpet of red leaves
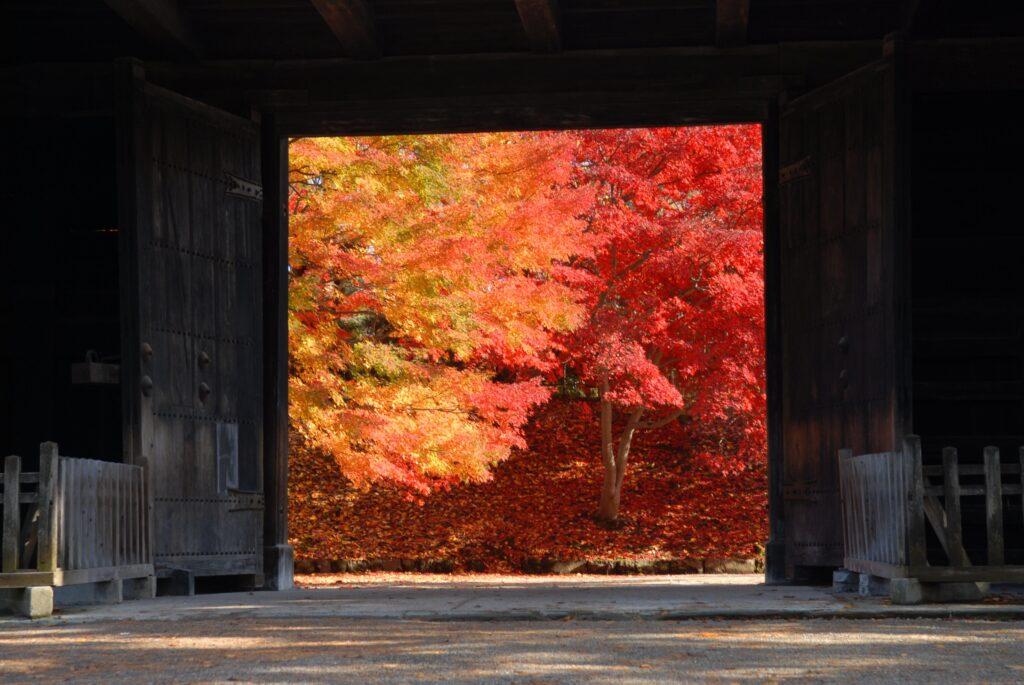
x: 538, y: 506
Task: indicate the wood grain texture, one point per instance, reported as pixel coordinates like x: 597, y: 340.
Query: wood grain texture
x: 12, y: 514
x: 274, y: 147
x: 839, y: 274
x: 196, y: 255
x: 951, y: 497
x: 994, y: 507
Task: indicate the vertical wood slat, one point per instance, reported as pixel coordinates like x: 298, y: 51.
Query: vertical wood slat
x: 48, y: 472
x: 67, y: 514
x: 12, y: 513
x: 117, y: 477
x: 916, y: 551
x: 90, y: 515
x: 132, y: 515
x: 994, y: 506
x: 62, y: 535
x: 79, y: 512
x: 951, y: 495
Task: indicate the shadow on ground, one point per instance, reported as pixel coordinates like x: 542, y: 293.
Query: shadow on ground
x: 342, y: 650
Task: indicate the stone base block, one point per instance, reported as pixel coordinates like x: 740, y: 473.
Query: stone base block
x: 845, y: 580
x: 872, y: 586
x: 913, y: 591
x: 106, y: 592
x: 30, y: 602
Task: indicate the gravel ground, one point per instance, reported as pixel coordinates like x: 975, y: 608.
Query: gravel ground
x: 239, y: 648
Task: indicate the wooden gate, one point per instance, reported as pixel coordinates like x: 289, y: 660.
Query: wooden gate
x: 841, y: 372
x: 891, y: 499
x: 73, y: 521
x: 190, y: 207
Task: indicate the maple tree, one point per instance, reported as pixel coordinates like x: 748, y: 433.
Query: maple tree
x: 674, y: 291
x: 441, y: 286
x: 423, y: 307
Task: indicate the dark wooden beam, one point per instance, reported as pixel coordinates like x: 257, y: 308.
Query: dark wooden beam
x: 161, y: 22
x: 540, y: 21
x: 278, y: 557
x: 351, y: 21
x: 731, y: 18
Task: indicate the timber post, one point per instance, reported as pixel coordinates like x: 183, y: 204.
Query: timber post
x: 278, y: 559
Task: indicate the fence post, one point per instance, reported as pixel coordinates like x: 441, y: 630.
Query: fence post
x: 994, y: 506
x: 47, y: 548
x: 951, y: 495
x: 12, y: 513
x: 916, y: 552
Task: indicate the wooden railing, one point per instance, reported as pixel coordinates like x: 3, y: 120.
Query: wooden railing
x: 889, y: 500
x: 73, y: 521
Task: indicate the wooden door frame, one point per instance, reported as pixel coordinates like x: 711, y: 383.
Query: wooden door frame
x: 278, y: 554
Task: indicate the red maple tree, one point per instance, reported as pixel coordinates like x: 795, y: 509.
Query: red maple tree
x: 674, y: 292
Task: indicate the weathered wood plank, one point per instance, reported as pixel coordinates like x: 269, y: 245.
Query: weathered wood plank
x: 994, y: 507
x: 351, y: 22
x: 78, y: 514
x: 916, y: 550
x: 29, y: 536
x: 951, y: 495
x: 25, y: 579
x: 60, y: 495
x: 102, y: 573
x: 540, y: 22
x: 12, y: 513
x: 49, y: 470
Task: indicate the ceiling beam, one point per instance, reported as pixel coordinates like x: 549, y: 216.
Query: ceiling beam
x: 351, y: 22
x: 731, y: 17
x: 161, y: 22
x: 540, y: 21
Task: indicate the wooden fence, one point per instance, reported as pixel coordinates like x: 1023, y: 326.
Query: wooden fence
x: 73, y: 521
x: 889, y: 500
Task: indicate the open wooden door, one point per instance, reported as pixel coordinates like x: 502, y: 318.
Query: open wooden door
x: 190, y: 221
x: 842, y: 293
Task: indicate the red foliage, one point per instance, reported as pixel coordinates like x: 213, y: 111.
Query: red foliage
x: 541, y: 501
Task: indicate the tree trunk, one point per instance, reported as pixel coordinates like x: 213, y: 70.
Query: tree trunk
x: 611, y: 494
x: 614, y: 460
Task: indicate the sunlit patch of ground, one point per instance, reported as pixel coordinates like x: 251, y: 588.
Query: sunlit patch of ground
x: 364, y: 651
x: 318, y: 580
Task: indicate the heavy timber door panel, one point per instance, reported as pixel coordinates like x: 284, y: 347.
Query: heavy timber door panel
x: 194, y: 256
x: 840, y: 369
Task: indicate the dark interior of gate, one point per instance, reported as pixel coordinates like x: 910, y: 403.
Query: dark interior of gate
x: 144, y: 240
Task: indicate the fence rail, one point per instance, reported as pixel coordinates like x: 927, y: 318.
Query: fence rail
x: 890, y: 499
x: 73, y: 521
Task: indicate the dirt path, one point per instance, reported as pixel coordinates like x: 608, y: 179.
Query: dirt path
x: 243, y: 649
